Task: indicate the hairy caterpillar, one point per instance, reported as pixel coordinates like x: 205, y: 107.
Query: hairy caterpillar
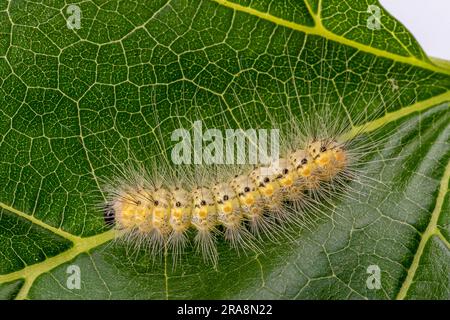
x: 165, y: 208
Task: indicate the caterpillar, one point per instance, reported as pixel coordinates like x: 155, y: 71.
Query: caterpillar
x: 164, y: 214
x: 167, y: 208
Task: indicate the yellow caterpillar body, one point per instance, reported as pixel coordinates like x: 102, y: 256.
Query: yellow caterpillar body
x: 249, y: 205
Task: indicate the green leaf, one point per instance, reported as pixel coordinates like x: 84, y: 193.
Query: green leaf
x: 432, y: 275
x: 75, y: 101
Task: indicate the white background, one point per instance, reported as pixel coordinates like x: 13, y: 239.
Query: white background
x: 427, y: 20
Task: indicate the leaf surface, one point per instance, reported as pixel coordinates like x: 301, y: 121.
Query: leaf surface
x: 75, y: 102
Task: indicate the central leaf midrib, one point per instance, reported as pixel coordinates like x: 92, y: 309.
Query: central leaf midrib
x: 429, y: 232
